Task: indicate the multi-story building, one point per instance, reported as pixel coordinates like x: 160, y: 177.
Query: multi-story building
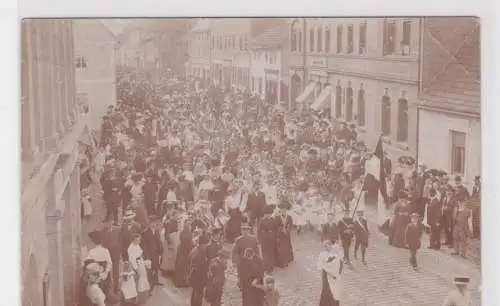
x: 229, y: 41
x: 449, y: 112
x: 51, y: 126
x: 364, y: 70
x: 198, y: 64
x: 154, y: 45
x: 269, y: 53
x: 95, y: 67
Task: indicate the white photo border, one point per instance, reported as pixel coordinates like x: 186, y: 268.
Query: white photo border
x: 9, y: 111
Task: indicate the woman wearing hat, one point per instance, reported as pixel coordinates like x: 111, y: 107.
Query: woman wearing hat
x: 399, y: 222
x: 284, y: 224
x: 93, y: 293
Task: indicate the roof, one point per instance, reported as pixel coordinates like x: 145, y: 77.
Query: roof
x: 272, y: 38
x: 457, y: 88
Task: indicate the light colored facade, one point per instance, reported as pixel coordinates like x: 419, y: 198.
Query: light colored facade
x: 198, y: 37
x: 269, y: 54
x: 95, y: 48
x: 365, y: 71
x: 52, y: 125
x: 449, y: 112
x: 230, y: 59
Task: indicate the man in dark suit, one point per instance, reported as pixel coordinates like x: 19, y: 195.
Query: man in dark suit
x: 198, y: 271
x: 434, y: 217
x: 346, y: 230
x: 214, y: 246
x: 361, y: 234
x: 256, y: 204
x: 152, y: 246
x: 449, y: 205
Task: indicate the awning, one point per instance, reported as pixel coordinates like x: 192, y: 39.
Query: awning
x: 321, y: 101
x: 306, y: 93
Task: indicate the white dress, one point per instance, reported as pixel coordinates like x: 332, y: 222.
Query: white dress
x: 137, y: 262
x: 333, y: 271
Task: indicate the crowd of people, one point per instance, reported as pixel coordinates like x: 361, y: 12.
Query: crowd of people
x: 187, y: 169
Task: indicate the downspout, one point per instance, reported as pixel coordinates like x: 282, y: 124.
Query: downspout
x: 420, y: 89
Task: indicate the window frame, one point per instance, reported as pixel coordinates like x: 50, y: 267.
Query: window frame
x: 350, y: 38
x: 454, y: 146
x: 385, y: 117
x: 312, y: 44
x: 319, y: 40
x: 363, y: 29
x: 406, y: 32
x: 361, y: 110
x: 403, y: 108
x: 338, y: 101
x: 339, y: 37
x: 327, y: 40
x: 388, y: 23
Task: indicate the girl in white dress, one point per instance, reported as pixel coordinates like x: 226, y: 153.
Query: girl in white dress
x: 136, y: 260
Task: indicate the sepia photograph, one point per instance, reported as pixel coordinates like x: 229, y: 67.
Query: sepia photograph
x: 251, y: 161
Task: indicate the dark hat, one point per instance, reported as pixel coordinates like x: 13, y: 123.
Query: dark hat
x: 414, y: 215
x: 215, y: 231
x: 269, y: 209
x: 285, y: 205
x: 402, y: 194
x: 461, y: 280
x: 458, y: 178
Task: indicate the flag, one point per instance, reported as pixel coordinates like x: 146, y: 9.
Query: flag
x: 379, y: 174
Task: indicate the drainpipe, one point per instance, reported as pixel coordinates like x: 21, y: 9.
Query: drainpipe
x: 419, y: 95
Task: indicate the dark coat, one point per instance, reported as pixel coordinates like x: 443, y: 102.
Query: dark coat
x: 361, y: 231
x: 256, y: 204
x: 198, y: 267
x: 413, y: 234
x: 330, y: 231
x: 434, y: 212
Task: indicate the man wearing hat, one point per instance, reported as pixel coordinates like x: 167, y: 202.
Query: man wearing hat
x: 361, y: 234
x: 413, y: 234
x: 152, y: 246
x: 256, y: 204
x: 243, y: 242
x: 284, y: 225
x: 267, y: 234
x: 330, y: 230
x: 462, y: 228
x: 460, y: 296
x: 215, y: 245
x: 216, y: 278
x: 346, y: 230
x: 449, y: 203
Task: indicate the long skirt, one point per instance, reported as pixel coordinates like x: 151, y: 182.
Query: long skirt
x: 181, y: 268
x: 170, y: 253
x: 326, y: 298
x: 397, y: 233
x: 284, y: 250
x: 143, y: 286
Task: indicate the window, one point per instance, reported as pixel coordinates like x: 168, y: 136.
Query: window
x: 339, y: 38
x: 266, y: 55
x: 327, y: 40
x: 389, y: 37
x: 299, y: 40
x: 361, y: 106
x: 457, y: 152
x: 245, y: 43
x: 81, y: 62
x: 402, y: 120
x: 386, y: 114
x: 362, y: 38
x: 320, y: 40
x: 405, y: 43
x: 311, y: 40
x: 293, y: 40
x: 241, y: 43
x: 338, y: 101
x: 260, y: 85
x: 349, y: 102
x: 350, y: 38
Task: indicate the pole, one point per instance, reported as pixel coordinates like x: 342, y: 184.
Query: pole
x: 359, y: 198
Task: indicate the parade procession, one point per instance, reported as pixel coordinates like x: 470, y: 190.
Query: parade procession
x: 197, y: 192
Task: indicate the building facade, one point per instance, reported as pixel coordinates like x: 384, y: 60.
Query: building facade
x: 450, y: 97
x: 269, y: 53
x: 95, y: 48
x: 199, y: 50
x: 52, y: 125
x: 364, y: 71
